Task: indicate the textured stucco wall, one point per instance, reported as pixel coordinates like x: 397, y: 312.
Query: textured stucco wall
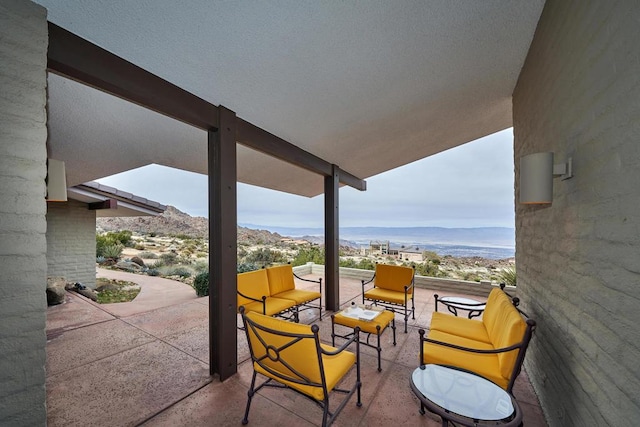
x: 71, y: 242
x: 23, y: 135
x: 579, y: 259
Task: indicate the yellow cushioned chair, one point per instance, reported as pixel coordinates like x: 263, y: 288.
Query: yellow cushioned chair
x: 253, y: 294
x: 493, y: 347
x: 282, y: 285
x: 291, y: 356
x: 392, y: 289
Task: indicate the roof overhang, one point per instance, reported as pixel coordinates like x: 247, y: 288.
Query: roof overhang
x: 111, y: 202
x: 365, y: 86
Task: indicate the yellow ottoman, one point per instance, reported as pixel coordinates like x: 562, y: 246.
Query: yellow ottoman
x: 376, y: 326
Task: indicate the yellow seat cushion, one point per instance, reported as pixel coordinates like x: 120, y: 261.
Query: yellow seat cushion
x: 380, y: 294
x: 280, y: 279
x: 393, y: 278
x: 485, y: 365
x: 460, y: 326
x: 300, y: 296
x: 254, y: 284
x: 383, y: 319
x: 272, y: 306
x: 301, y: 356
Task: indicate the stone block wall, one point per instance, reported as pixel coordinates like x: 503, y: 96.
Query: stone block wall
x: 71, y: 242
x: 23, y: 154
x: 578, y: 95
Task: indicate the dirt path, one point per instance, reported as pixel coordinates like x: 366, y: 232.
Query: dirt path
x: 155, y: 292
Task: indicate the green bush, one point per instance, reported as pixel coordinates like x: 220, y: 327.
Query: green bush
x: 313, y: 254
x: 201, y: 283
x: 153, y: 272
x: 111, y: 238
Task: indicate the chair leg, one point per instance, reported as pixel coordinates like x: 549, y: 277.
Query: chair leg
x: 250, y: 394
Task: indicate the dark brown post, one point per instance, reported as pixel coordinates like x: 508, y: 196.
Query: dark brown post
x: 222, y: 246
x: 331, y: 240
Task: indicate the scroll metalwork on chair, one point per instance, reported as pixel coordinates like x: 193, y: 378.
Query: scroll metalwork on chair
x: 393, y: 289
x: 291, y: 356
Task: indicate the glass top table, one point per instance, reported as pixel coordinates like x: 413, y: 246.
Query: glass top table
x: 475, y: 308
x: 463, y: 397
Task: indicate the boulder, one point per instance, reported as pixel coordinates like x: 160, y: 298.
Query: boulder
x: 138, y: 261
x: 56, y: 293
x: 128, y: 266
x: 85, y: 292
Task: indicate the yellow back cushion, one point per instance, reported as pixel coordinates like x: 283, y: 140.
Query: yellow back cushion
x: 280, y: 279
x: 492, y: 308
x: 505, y: 327
x: 301, y: 356
x: 254, y: 284
x: 393, y: 277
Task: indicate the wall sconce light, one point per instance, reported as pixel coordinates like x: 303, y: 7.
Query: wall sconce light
x: 536, y: 177
x: 56, y: 181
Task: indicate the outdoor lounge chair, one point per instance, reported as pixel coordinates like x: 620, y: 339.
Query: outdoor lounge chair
x: 282, y: 285
x: 291, y: 356
x: 392, y: 289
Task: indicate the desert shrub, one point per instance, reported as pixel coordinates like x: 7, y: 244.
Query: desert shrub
x: 201, y: 266
x: 148, y: 255
x: 265, y: 256
x: 508, y: 276
x: 181, y: 271
x: 100, y: 259
x: 348, y: 262
x: 112, y: 251
x: 169, y: 258
x: 153, y: 272
x: 366, y: 264
x: 471, y: 277
x: 247, y: 266
x: 140, y: 247
x: 201, y: 284
x: 111, y: 238
x: 313, y: 254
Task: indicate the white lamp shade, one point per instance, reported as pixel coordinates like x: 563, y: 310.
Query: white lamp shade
x: 56, y: 181
x: 536, y: 178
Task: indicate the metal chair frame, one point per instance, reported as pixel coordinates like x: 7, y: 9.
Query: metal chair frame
x: 273, y: 353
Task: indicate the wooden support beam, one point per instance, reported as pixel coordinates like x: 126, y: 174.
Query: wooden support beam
x: 105, y: 204
x: 259, y: 139
x: 331, y: 240
x: 223, y: 340
x: 78, y: 59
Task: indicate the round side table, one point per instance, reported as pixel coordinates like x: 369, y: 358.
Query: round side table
x: 464, y: 398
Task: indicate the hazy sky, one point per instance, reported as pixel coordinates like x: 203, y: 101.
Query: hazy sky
x: 467, y: 186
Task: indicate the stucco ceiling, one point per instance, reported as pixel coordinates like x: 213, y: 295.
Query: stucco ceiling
x: 367, y: 85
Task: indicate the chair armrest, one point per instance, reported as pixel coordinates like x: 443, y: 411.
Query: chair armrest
x: 251, y: 298
x: 367, y: 281
x: 409, y: 286
x: 318, y: 281
x: 307, y: 280
x: 354, y: 338
x: 474, y: 350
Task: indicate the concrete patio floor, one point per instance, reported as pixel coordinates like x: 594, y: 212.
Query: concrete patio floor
x: 147, y: 363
